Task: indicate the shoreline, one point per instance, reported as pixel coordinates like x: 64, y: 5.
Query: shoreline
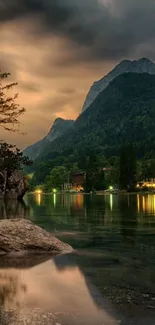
x: 96, y: 193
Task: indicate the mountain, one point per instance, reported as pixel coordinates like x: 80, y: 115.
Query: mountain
x: 124, y: 112
x: 60, y: 126
x: 143, y: 65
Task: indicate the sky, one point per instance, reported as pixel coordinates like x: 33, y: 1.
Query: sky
x: 56, y: 49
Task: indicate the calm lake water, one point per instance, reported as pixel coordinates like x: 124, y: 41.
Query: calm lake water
x: 114, y: 236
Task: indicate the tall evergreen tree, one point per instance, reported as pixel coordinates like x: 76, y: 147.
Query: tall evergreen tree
x: 88, y: 162
x: 10, y: 111
x: 11, y: 159
x: 128, y: 168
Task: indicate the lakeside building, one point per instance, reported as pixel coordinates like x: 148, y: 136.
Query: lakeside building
x: 147, y: 183
x: 77, y: 180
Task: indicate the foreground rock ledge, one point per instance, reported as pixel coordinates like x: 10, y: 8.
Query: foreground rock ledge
x: 20, y: 235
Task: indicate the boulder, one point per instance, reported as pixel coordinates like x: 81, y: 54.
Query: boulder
x: 16, y: 185
x: 21, y: 235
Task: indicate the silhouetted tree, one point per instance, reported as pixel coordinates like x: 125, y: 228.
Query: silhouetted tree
x: 88, y: 162
x: 57, y: 177
x: 10, y: 111
x: 11, y: 158
x: 100, y: 180
x: 146, y: 169
x: 128, y: 168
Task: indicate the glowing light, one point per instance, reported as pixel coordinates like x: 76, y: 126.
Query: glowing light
x: 54, y: 190
x: 38, y: 191
x: 147, y: 184
x: 111, y: 188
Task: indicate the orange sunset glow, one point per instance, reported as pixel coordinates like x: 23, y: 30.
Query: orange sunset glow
x: 55, y: 50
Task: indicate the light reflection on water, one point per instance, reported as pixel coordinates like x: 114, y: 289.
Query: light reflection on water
x: 115, y: 235
x: 145, y: 203
x: 83, y: 212
x: 38, y: 198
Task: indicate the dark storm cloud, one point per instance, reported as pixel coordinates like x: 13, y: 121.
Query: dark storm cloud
x: 110, y: 30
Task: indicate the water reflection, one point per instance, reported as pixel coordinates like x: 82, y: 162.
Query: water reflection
x: 114, y: 236
x: 82, y: 212
x: 12, y: 209
x: 11, y: 289
x: 128, y: 216
x: 111, y: 202
x: 38, y: 198
x: 56, y: 286
x: 147, y: 204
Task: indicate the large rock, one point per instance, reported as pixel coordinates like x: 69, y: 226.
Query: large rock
x: 20, y: 235
x: 16, y: 185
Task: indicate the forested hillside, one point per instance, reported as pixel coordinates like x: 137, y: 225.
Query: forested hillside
x: 124, y: 112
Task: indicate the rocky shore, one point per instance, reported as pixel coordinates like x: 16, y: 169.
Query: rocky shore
x: 20, y: 235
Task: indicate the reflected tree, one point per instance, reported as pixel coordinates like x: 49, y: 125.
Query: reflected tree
x: 128, y: 216
x: 12, y: 209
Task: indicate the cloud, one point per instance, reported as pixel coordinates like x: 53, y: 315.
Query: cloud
x: 29, y: 87
x: 55, y: 50
x: 67, y: 91
x: 102, y: 29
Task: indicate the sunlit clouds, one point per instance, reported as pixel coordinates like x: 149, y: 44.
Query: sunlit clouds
x: 55, y: 50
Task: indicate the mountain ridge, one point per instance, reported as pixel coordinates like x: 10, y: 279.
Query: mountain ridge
x: 123, y: 112
x: 59, y: 127
x: 143, y: 65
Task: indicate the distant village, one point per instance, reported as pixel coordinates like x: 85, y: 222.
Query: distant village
x: 75, y: 184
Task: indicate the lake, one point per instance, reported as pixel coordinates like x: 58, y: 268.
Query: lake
x: 114, y: 238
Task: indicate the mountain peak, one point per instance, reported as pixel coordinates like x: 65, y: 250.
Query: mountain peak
x: 142, y: 65
x: 145, y: 60
x: 124, y: 63
x: 62, y: 120
x: 58, y: 119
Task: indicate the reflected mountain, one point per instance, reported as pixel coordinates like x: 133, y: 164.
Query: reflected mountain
x: 62, y: 293
x: 24, y: 261
x: 72, y: 260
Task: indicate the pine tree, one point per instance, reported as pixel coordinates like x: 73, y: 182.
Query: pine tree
x: 11, y: 158
x: 10, y: 111
x: 128, y: 168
